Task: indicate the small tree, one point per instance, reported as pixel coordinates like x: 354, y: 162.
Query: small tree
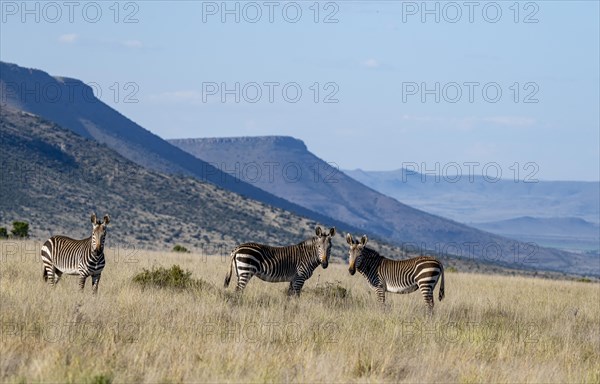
x: 180, y: 248
x: 3, y: 233
x: 20, y: 229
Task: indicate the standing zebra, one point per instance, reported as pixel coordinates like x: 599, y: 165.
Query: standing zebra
x: 397, y: 276
x: 294, y: 263
x: 61, y: 254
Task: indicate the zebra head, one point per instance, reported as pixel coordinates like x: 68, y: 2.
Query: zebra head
x: 323, y: 241
x: 356, y: 248
x: 98, y: 234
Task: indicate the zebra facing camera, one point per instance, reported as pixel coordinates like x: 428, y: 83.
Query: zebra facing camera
x: 106, y: 220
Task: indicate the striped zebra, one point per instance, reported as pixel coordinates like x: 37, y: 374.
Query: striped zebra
x: 295, y: 263
x: 61, y: 254
x: 397, y: 276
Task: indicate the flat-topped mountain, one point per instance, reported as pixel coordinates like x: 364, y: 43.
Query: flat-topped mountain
x: 54, y: 178
x: 71, y: 104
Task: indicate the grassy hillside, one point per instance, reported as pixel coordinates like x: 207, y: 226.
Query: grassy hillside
x: 54, y: 179
x: 487, y: 329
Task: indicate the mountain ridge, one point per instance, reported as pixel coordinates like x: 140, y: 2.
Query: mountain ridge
x: 89, y: 117
x: 478, y: 200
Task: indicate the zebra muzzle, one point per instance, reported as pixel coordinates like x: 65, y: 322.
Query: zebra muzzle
x: 352, y: 271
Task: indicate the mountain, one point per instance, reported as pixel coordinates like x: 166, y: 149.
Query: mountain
x: 480, y: 200
x: 54, y: 178
x: 71, y: 104
x: 555, y: 231
x: 284, y: 166
x: 80, y: 112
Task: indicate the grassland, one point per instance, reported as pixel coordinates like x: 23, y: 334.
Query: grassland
x: 487, y: 329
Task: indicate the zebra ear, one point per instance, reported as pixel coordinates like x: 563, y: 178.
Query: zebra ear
x: 94, y: 218
x: 349, y: 239
x: 318, y: 231
x: 363, y: 240
x: 332, y: 232
x: 106, y: 219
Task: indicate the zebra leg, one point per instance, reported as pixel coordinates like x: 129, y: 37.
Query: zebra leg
x: 427, y: 292
x: 57, y: 275
x: 243, y: 279
x: 49, y: 275
x: 380, y: 290
x: 296, y: 286
x: 95, y: 282
x: 82, y: 279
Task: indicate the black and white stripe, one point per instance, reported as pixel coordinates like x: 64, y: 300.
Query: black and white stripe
x: 396, y: 276
x: 295, y: 263
x: 61, y: 254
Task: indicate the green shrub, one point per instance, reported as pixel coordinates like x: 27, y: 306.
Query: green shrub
x: 180, y: 248
x: 20, y: 229
x: 331, y: 290
x: 174, y: 277
x: 100, y: 379
x: 3, y: 233
x: 584, y: 280
x: 451, y: 269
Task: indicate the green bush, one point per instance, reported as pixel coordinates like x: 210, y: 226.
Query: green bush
x: 174, y: 277
x: 180, y: 248
x: 3, y: 233
x: 331, y: 291
x: 100, y: 379
x: 20, y: 229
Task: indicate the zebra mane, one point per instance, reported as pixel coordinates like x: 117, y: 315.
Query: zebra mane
x: 308, y: 242
x: 370, y: 253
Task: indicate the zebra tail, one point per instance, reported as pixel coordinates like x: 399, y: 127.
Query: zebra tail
x: 44, y: 273
x: 228, y: 275
x: 442, y: 293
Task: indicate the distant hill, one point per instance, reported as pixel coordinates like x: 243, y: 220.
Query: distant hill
x: 479, y: 200
x: 284, y: 166
x: 71, y: 104
x: 557, y: 231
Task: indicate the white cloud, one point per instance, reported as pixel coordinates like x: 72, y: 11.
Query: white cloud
x: 178, y: 97
x: 510, y: 121
x: 471, y: 122
x: 371, y: 63
x: 68, y: 38
x: 132, y: 44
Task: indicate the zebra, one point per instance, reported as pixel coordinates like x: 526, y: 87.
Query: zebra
x: 61, y: 254
x: 294, y: 263
x: 397, y: 276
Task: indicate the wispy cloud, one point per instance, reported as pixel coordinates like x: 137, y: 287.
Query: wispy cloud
x: 71, y: 38
x: 132, y: 44
x: 510, y: 121
x: 371, y: 63
x: 68, y: 38
x: 179, y: 97
x: 472, y: 122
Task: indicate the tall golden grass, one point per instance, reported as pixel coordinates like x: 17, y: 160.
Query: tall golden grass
x: 487, y: 329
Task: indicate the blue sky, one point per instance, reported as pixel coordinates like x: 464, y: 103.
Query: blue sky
x: 384, y: 62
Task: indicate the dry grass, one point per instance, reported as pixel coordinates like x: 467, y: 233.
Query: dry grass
x: 487, y: 329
